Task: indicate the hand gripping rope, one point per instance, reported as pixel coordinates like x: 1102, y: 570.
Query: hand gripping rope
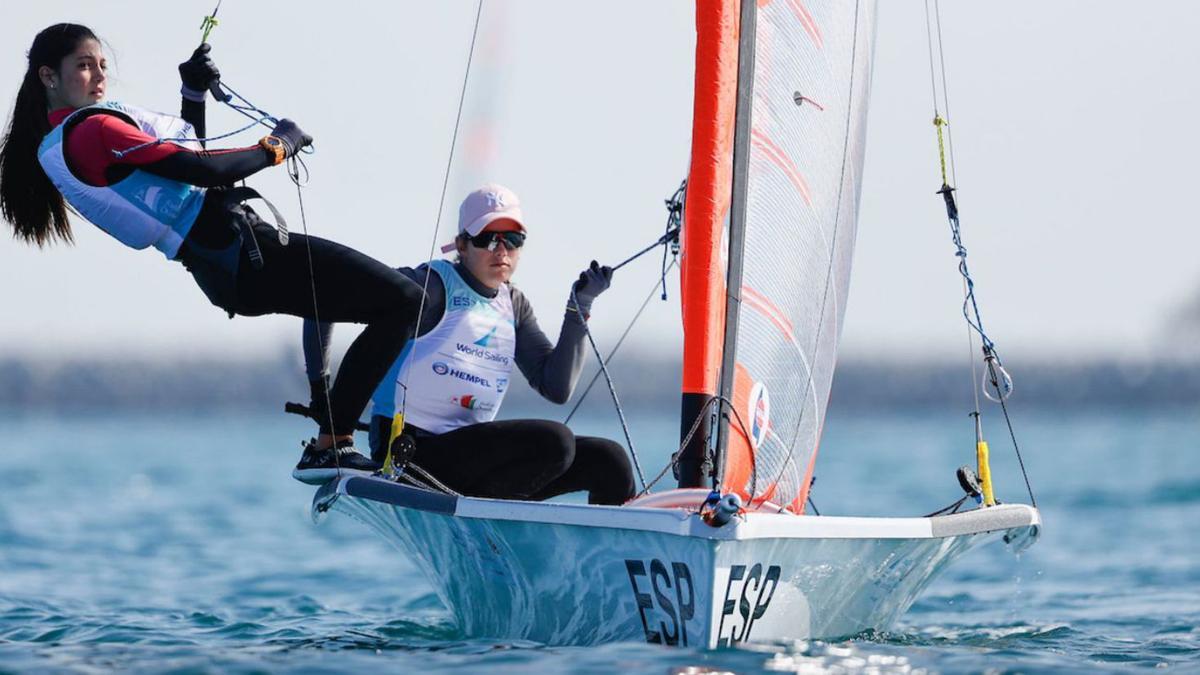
x: 296, y: 168
x: 670, y: 243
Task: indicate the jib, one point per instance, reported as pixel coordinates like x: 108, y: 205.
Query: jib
x: 754, y: 584
x: 678, y: 604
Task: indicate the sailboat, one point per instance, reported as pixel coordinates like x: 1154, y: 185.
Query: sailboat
x: 730, y: 555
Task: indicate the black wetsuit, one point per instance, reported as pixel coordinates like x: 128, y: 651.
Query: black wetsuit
x: 350, y: 287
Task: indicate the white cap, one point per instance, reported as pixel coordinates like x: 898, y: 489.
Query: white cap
x: 484, y: 206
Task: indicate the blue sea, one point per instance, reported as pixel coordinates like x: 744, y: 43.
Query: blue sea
x: 180, y: 544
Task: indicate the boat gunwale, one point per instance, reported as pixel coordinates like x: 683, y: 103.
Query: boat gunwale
x: 678, y: 521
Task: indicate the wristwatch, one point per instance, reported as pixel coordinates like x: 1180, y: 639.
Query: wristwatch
x: 276, y: 147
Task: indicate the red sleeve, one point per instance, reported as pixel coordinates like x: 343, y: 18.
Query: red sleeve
x: 92, y: 144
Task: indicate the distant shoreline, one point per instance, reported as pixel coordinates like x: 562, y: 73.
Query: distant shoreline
x: 95, y: 384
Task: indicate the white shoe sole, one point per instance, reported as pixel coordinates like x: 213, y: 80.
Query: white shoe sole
x: 322, y: 476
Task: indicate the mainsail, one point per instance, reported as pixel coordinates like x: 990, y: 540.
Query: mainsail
x: 773, y: 193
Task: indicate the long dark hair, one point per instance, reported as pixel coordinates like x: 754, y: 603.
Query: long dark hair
x: 28, y: 200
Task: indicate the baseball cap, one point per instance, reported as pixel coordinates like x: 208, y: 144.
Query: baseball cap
x: 485, y: 205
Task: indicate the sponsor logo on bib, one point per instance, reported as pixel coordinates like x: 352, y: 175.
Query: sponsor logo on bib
x: 441, y: 368
x: 481, y: 353
x: 471, y: 402
x: 486, y: 340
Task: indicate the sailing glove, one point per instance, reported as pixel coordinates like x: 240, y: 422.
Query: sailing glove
x: 292, y: 136
x: 592, y: 282
x: 198, y: 73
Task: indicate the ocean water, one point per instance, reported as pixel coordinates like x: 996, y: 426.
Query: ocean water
x: 180, y: 544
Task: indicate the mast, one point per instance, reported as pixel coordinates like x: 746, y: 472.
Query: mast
x: 703, y: 266
x: 737, y: 222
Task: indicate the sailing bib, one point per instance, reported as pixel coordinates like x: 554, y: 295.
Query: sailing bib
x: 457, y: 373
x: 143, y: 209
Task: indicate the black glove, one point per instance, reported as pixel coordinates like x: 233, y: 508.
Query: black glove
x: 198, y: 73
x: 292, y: 136
x: 592, y: 282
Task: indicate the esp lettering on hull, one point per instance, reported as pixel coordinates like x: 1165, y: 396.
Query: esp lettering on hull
x: 663, y: 594
x: 747, y: 596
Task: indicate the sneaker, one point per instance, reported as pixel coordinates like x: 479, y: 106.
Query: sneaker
x: 317, y: 467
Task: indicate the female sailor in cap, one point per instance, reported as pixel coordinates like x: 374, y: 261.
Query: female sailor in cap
x: 449, y: 382
x: 136, y: 175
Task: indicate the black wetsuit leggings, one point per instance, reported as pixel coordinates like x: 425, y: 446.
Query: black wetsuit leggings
x: 525, y: 459
x: 351, y: 288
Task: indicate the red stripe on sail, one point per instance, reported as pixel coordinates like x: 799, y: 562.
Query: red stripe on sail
x: 807, y: 21
x: 758, y: 301
x: 780, y: 159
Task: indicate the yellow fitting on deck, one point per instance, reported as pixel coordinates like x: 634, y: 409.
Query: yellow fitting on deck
x: 985, y: 473
x: 389, y: 467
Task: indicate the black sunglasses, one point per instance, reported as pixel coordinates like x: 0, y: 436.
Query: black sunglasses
x: 490, y: 240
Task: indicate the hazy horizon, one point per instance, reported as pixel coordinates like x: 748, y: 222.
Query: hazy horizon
x: 1072, y: 123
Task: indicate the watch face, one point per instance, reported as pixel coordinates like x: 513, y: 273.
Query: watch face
x: 275, y: 142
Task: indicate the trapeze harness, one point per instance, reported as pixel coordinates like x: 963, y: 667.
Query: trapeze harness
x: 144, y: 209
x: 461, y: 368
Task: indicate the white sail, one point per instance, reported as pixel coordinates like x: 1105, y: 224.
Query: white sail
x: 811, y: 83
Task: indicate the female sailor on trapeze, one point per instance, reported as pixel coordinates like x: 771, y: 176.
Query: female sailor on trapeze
x: 133, y: 174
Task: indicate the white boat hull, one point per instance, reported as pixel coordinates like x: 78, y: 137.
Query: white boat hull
x: 579, y: 575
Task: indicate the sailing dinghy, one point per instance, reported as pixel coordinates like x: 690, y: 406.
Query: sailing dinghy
x: 730, y: 556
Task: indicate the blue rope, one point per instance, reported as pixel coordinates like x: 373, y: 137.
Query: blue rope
x: 244, y: 107
x: 970, y: 306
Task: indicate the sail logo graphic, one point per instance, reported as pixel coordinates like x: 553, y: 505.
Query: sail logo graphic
x: 440, y: 367
x: 759, y: 414
x: 486, y: 340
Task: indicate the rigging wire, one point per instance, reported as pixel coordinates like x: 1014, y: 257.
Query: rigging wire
x: 808, y: 384
x: 437, y: 225
x: 700, y: 417
x: 670, y: 243
x: 996, y: 376
x: 613, y: 352
x: 295, y: 167
x: 611, y: 388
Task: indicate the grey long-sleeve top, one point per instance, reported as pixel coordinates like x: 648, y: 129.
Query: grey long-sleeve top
x: 552, y: 369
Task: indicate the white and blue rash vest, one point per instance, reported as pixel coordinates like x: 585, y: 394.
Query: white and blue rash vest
x: 458, y: 372
x: 143, y: 209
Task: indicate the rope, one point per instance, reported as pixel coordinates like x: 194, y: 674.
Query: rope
x: 692, y: 432
x: 670, y: 243
x: 997, y: 376
x: 293, y: 169
x: 437, y: 224
x: 1012, y: 434
x: 611, y: 388
x: 953, y: 508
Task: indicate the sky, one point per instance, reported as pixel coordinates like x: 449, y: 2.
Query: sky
x: 1074, y: 130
